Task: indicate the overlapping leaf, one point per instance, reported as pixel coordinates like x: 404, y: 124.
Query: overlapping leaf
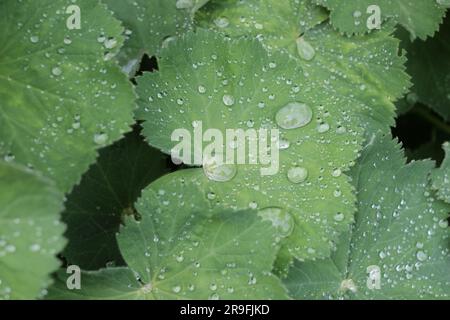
x: 420, y: 17
x: 96, y: 208
x: 441, y: 177
x: 200, y: 74
x: 30, y: 232
x: 398, y: 247
x: 149, y: 23
x: 177, y: 252
x: 60, y: 97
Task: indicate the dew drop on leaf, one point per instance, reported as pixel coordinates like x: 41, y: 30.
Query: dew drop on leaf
x: 294, y: 115
x: 279, y: 218
x: 297, y: 174
x: 305, y: 50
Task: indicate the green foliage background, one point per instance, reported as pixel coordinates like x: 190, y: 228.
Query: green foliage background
x: 86, y: 117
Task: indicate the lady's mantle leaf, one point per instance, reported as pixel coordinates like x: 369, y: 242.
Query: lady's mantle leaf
x: 420, y: 17
x: 60, y: 99
x: 209, y: 80
x: 186, y: 255
x: 30, y: 232
x: 365, y: 73
x: 400, y: 237
x: 441, y: 177
x: 96, y: 208
x: 151, y: 24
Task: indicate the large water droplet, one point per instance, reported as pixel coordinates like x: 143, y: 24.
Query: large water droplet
x: 228, y: 100
x: 279, y: 218
x: 305, y: 50
x: 221, y: 22
x: 421, y: 255
x: 294, y: 115
x: 216, y: 170
x: 297, y: 174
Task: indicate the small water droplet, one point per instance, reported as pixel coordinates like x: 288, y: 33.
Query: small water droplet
x: 339, y: 217
x: 421, y: 255
x: 176, y: 289
x: 201, y: 89
x: 34, y: 39
x: 100, y: 138
x: 323, y: 127
x: 228, y: 100
x: 56, y: 71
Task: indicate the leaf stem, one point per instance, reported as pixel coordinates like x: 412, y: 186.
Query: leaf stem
x: 429, y: 116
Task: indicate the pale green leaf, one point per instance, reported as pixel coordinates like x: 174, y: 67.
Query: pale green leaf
x: 198, y: 72
x: 420, y: 17
x: 400, y: 228
x: 59, y: 99
x: 30, y: 232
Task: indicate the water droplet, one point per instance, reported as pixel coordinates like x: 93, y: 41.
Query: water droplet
x: 421, y: 256
x: 323, y: 127
x: 34, y: 39
x: 216, y: 170
x: 201, y: 89
x: 211, y: 195
x: 184, y: 4
x: 56, y: 71
x: 9, y: 157
x: 294, y: 115
x: 339, y: 217
x: 67, y: 40
x: 221, y: 22
x: 176, y: 289
x: 213, y: 287
x: 100, y: 138
x: 110, y: 43
x: 297, y: 174
x: 253, y: 205
x: 283, y: 144
x: 443, y: 223
x: 35, y: 247
x: 356, y: 14
x: 305, y: 50
x: 280, y: 219
x: 180, y: 102
x: 336, y: 173
x: 228, y: 100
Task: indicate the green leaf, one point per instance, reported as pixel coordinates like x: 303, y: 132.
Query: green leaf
x: 106, y: 284
x: 192, y: 86
x: 420, y: 17
x: 59, y: 99
x: 365, y: 73
x: 30, y: 232
x: 96, y: 208
x: 441, y: 176
x: 400, y: 228
x: 429, y: 66
x: 186, y: 254
x: 151, y: 24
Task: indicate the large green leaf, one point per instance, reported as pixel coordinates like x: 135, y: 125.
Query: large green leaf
x: 60, y: 97
x: 96, y: 208
x: 429, y: 66
x: 441, y: 177
x: 30, y: 232
x: 365, y: 73
x: 420, y: 17
x: 199, y: 72
x: 149, y: 24
x: 400, y: 228
x: 180, y: 253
